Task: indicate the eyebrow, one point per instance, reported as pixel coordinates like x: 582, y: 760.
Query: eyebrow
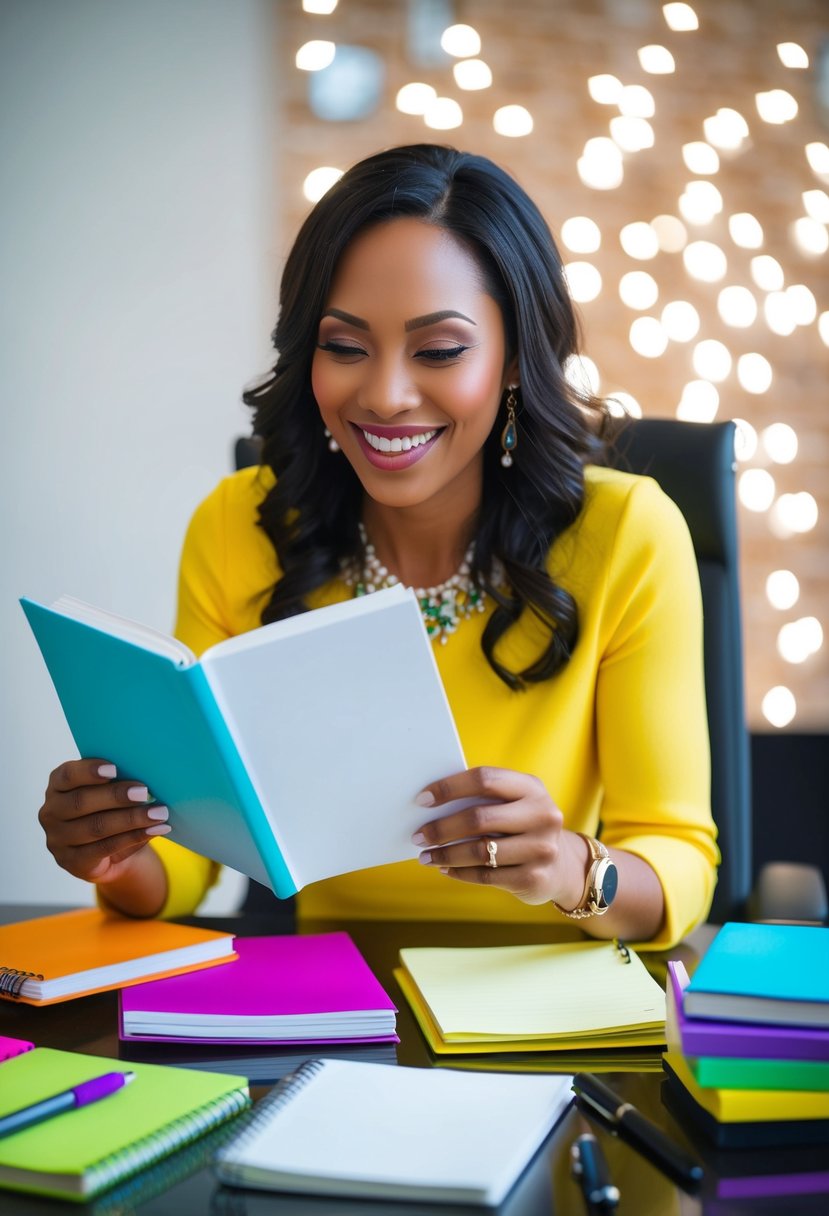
x: 430, y: 318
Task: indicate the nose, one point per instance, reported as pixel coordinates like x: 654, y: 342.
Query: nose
x: 388, y: 388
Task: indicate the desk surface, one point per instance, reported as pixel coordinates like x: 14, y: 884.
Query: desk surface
x: 88, y: 1024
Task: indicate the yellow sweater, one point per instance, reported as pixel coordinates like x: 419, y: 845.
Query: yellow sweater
x: 619, y: 735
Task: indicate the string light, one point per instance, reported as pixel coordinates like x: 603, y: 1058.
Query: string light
x: 581, y: 234
x: 648, y: 338
x: 737, y: 307
x: 415, y: 98
x: 745, y: 230
x: 699, y: 402
x: 472, y: 74
x: 810, y: 235
x: 779, y: 706
x: 583, y: 280
x: 792, y: 55
x: 442, y: 114
x: 782, y: 589
x: 605, y: 89
x: 754, y: 373
x: 776, y: 106
x: 315, y: 55
x: 638, y: 289
x: 639, y: 241
x: 711, y: 359
x: 700, y: 157
x: 319, y: 182
x: 461, y: 41
x: 680, y: 17
x: 657, y: 60
x: 780, y: 442
x: 756, y: 489
x: 671, y: 233
x: 705, y: 261
x: 680, y: 321
x: 513, y: 121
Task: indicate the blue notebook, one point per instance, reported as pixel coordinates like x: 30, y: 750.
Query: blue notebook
x: 272, y: 741
x: 776, y: 974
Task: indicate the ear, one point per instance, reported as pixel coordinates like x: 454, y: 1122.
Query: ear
x: 512, y: 375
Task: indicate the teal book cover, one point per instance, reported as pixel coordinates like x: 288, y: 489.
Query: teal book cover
x: 763, y: 973
x: 156, y: 720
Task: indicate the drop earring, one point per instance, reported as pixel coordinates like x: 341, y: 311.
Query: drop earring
x: 509, y: 435
x: 333, y: 446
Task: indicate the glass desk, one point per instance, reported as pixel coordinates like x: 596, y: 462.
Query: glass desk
x: 184, y: 1184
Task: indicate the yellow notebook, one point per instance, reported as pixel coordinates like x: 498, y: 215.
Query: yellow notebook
x: 68, y: 954
x: 749, y: 1105
x: 572, y: 996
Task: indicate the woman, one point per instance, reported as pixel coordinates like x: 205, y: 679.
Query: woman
x: 418, y: 426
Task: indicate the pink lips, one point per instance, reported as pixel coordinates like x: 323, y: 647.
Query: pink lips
x: 393, y: 461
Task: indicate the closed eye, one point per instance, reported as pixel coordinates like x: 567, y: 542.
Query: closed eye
x: 341, y: 349
x: 441, y: 354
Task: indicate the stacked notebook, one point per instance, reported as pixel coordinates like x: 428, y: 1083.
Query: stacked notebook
x: 312, y: 988
x: 575, y: 996
x: 748, y: 1037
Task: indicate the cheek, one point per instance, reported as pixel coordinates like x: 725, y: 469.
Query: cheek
x: 476, y: 394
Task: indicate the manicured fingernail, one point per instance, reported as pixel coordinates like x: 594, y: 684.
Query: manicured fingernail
x: 425, y: 798
x: 138, y: 793
x: 160, y: 830
x: 443, y: 870
x: 107, y: 770
x: 425, y: 859
x: 158, y: 812
x: 418, y: 838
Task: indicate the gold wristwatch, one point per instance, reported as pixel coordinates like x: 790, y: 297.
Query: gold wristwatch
x: 600, y: 887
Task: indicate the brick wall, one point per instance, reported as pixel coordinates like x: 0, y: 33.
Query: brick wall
x: 541, y: 53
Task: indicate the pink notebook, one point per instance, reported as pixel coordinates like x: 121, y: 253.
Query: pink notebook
x: 13, y: 1047
x: 314, y: 988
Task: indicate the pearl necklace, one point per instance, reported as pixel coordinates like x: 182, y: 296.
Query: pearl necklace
x: 442, y: 607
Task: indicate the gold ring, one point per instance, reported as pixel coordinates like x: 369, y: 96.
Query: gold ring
x: 492, y: 849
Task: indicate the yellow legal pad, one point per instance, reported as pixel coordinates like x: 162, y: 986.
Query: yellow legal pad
x: 571, y: 996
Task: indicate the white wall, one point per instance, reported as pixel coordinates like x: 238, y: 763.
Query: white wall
x: 138, y: 282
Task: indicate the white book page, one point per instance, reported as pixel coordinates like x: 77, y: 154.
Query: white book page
x: 340, y: 718
x: 364, y: 1128
x: 128, y: 630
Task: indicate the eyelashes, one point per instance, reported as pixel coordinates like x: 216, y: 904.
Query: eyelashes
x: 440, y: 354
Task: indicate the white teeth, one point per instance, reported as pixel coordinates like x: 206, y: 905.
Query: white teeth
x: 381, y: 444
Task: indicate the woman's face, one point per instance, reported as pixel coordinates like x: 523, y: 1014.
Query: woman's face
x: 410, y: 369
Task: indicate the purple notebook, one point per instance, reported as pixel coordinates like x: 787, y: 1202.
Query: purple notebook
x: 706, y: 1037
x: 314, y: 988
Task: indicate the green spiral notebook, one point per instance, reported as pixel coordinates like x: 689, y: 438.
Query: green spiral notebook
x: 83, y: 1152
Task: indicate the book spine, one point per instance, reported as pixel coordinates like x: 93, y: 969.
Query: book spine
x: 257, y: 821
x: 150, y: 1149
x: 228, y: 1168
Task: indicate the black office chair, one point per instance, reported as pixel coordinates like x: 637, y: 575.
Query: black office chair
x: 694, y: 463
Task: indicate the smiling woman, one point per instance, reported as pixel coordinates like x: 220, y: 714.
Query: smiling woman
x: 418, y: 427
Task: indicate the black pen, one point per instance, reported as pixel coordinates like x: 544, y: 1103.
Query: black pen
x: 637, y: 1131
x: 589, y: 1168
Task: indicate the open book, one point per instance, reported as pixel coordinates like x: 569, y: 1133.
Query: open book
x: 291, y: 753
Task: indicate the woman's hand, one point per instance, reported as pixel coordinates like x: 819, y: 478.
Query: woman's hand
x: 97, y: 828
x: 536, y: 860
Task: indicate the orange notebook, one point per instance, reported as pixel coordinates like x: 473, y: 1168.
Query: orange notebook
x: 68, y: 954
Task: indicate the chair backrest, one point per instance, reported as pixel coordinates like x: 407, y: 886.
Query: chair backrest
x: 694, y: 464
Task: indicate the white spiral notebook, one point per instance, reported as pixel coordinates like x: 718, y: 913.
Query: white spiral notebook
x: 341, y: 1127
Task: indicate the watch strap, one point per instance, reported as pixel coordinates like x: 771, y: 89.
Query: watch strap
x: 586, y: 907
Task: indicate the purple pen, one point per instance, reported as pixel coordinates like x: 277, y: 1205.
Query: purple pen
x: 70, y: 1099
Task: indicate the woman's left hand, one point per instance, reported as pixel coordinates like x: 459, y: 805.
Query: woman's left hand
x: 535, y: 858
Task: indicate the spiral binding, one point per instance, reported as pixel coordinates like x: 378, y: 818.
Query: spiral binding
x: 261, y: 1114
x: 12, y: 980
x: 177, y: 1134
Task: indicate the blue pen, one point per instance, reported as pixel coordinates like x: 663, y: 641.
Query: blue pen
x: 79, y: 1095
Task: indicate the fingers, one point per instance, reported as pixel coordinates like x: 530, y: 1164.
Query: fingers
x: 92, y: 822
x: 514, y: 803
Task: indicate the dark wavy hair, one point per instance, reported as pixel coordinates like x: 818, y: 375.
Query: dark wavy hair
x: 312, y: 512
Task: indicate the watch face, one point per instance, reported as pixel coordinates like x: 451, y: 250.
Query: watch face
x: 609, y: 883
